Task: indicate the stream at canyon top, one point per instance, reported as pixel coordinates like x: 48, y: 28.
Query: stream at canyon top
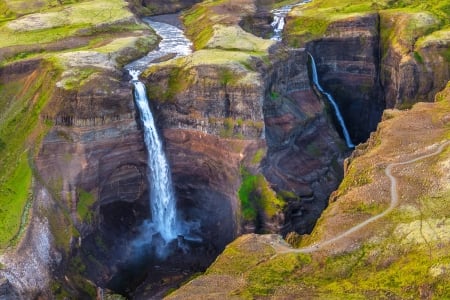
x: 165, y: 220
x: 279, y: 16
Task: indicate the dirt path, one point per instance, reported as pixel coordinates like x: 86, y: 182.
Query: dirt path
x: 284, y: 248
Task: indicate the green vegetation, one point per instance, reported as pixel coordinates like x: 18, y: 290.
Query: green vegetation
x: 259, y: 155
x: 257, y: 197
x: 355, y: 177
x: 63, y: 21
x: 238, y: 258
x: 78, y: 76
x: 85, y: 201
x: 89, y: 24
x: 21, y: 102
x: 228, y: 128
x: 198, y: 25
x: 235, y: 38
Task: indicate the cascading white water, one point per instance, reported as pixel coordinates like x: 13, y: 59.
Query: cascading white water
x: 173, y: 42
x: 164, y: 215
x: 279, y: 16
x: 333, y: 103
x: 162, y: 200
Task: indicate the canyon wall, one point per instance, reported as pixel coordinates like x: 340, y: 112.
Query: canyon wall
x: 348, y: 60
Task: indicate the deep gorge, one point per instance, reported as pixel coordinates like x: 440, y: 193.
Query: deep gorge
x: 254, y: 128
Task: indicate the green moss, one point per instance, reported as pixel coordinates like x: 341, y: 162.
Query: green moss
x: 259, y: 155
x: 355, y: 177
x: 247, y: 207
x: 61, y: 227
x: 446, y: 55
x: 257, y: 197
x: 78, y: 77
x: 228, y: 128
x: 85, y: 201
x: 239, y: 257
x: 265, y: 277
x: 198, y: 25
x: 313, y: 150
x: 20, y: 105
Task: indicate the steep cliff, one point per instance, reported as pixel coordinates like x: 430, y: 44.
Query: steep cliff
x: 348, y: 62
x: 304, y: 157
x: 235, y: 97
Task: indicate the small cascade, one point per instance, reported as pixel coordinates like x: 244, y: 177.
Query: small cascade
x: 332, y: 101
x: 279, y: 16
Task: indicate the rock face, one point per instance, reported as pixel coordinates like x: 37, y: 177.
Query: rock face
x: 348, y: 60
x: 214, y: 99
x: 206, y: 176
x: 94, y: 161
x: 410, y: 71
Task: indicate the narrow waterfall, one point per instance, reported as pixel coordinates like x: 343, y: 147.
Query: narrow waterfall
x: 332, y: 101
x: 279, y: 16
x: 164, y: 215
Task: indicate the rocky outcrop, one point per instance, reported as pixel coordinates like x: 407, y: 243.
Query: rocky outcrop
x: 214, y: 100
x: 412, y: 70
x: 348, y: 61
x: 94, y: 162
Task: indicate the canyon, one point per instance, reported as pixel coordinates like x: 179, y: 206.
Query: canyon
x: 253, y: 145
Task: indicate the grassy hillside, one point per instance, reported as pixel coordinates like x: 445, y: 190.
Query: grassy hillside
x: 21, y: 101
x: 403, y: 255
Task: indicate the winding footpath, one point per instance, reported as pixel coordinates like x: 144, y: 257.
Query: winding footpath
x: 279, y: 248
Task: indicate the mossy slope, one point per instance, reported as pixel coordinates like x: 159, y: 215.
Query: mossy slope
x: 22, y: 98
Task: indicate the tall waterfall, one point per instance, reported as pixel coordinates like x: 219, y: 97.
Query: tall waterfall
x: 279, y: 16
x: 162, y: 200
x: 333, y: 103
x: 164, y: 214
